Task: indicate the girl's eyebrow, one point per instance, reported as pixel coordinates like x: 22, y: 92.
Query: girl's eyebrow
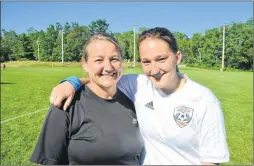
x: 161, y: 56
x: 157, y: 57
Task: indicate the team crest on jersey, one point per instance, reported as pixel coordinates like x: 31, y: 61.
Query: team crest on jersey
x: 182, y: 115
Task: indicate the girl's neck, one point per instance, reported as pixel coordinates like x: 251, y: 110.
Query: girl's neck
x: 177, y: 82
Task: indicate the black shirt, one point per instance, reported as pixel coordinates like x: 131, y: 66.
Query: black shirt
x: 92, y: 131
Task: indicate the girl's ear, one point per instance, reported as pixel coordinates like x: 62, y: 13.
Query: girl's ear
x: 178, y: 57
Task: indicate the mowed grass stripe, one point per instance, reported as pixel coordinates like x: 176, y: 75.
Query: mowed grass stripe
x: 17, y: 117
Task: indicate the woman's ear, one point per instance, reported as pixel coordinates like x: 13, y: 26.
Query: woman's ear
x: 84, y: 64
x: 178, y: 57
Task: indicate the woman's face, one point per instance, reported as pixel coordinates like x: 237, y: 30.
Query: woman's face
x: 103, y: 63
x: 158, y: 61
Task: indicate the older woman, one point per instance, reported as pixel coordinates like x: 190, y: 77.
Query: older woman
x: 100, y: 126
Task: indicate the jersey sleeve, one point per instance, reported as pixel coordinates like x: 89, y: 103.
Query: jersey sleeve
x: 52, y: 144
x: 74, y: 81
x: 213, y: 144
x: 128, y: 85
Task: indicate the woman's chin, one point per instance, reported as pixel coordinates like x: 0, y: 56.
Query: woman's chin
x: 108, y: 83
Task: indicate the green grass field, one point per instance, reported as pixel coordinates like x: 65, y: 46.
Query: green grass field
x: 26, y: 89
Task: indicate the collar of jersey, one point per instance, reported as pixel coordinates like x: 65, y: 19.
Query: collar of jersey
x: 86, y: 90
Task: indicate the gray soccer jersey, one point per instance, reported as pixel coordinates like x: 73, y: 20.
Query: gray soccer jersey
x: 92, y: 131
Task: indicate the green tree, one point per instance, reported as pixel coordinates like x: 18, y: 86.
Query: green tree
x: 12, y: 46
x: 74, y: 41
x: 27, y: 46
x: 99, y: 25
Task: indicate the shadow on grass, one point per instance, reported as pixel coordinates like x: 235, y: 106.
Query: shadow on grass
x: 7, y: 83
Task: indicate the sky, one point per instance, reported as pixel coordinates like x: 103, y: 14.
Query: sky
x: 186, y: 17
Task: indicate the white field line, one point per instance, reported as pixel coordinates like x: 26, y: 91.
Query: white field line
x: 30, y: 113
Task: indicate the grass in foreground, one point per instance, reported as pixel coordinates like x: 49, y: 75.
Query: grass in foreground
x: 27, y: 89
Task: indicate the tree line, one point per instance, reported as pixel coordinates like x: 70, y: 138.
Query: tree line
x: 200, y: 50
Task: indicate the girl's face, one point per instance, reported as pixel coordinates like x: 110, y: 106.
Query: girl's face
x: 158, y: 61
